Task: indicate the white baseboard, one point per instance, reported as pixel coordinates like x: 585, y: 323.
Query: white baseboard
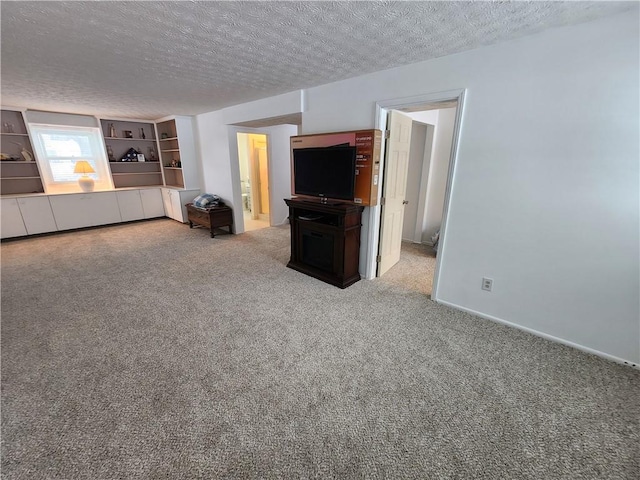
x: 544, y: 335
x: 410, y: 240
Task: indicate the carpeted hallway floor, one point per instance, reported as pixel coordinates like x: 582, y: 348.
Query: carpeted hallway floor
x: 151, y: 351
x: 414, y: 272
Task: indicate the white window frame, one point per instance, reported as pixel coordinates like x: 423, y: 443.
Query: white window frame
x: 97, y: 158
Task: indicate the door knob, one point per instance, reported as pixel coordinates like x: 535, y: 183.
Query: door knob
x: 404, y: 202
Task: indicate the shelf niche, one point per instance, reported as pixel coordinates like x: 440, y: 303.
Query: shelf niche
x: 18, y: 175
x: 170, y: 153
x: 132, y: 174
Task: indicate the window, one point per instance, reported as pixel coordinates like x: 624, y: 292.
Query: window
x: 59, y: 147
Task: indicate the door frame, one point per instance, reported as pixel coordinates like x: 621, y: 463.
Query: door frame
x: 374, y: 213
x: 238, y: 220
x: 258, y: 188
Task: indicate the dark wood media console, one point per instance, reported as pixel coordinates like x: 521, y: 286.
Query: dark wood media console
x: 325, y: 240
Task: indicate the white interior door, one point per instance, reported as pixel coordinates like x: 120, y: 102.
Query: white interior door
x: 394, y: 187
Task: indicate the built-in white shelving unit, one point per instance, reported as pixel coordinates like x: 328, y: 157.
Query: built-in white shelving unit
x: 19, y: 172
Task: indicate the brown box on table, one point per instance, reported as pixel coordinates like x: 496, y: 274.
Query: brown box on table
x: 368, y: 145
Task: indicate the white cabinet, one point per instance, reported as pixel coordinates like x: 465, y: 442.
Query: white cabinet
x: 27, y: 216
x: 179, y: 212
x: 37, y: 215
x: 130, y: 205
x: 82, y: 210
x: 104, y: 208
x: 175, y: 200
x: 11, y: 224
x: 166, y: 201
x: 152, y: 205
x: 171, y: 202
x: 71, y: 211
x: 139, y: 204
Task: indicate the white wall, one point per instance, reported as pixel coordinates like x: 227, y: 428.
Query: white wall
x: 438, y: 173
x: 545, y: 193
x: 217, y: 166
x: 280, y: 169
x: 414, y: 174
x: 430, y: 118
x: 271, y: 107
x: 219, y: 148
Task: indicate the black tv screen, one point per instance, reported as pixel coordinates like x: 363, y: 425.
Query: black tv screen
x: 328, y: 172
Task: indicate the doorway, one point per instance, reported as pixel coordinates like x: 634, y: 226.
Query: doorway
x: 253, y: 160
x: 429, y: 175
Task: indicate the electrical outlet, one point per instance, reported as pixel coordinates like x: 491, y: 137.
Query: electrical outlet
x: 487, y: 283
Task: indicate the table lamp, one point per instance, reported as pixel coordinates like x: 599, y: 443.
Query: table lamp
x: 86, y: 183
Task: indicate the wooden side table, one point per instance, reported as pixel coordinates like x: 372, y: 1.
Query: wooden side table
x: 212, y: 218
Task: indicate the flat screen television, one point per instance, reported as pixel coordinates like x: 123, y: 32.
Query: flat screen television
x: 325, y: 172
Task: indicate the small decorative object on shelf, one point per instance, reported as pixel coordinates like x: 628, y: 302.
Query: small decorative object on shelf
x: 127, y: 133
x: 112, y: 158
x: 112, y: 131
x: 141, y: 157
x: 164, y: 135
x: 152, y: 154
x: 142, y: 135
x: 8, y: 127
x: 130, y: 156
x: 27, y: 156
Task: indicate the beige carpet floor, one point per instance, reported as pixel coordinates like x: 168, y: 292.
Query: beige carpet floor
x: 250, y: 224
x: 151, y: 351
x: 414, y: 272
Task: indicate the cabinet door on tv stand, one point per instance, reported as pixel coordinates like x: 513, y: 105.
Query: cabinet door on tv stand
x: 318, y: 250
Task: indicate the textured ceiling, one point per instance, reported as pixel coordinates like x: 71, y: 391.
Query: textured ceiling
x: 151, y: 59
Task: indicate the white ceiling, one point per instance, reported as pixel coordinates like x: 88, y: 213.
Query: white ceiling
x: 151, y: 59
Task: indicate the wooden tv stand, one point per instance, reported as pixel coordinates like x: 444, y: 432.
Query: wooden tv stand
x: 325, y: 240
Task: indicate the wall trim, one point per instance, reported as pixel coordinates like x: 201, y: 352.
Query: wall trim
x: 546, y: 336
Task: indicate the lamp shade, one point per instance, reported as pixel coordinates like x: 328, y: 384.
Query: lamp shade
x: 82, y: 166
